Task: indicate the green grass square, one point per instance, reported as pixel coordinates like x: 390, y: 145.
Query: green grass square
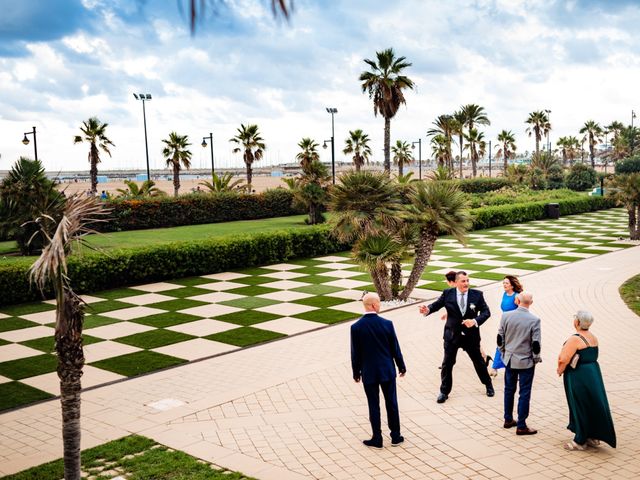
x: 254, y: 280
x: 168, y: 319
x: 12, y: 323
x: 307, y: 262
x: 154, y: 338
x: 26, y: 309
x: 488, y: 276
x: 107, y: 306
x: 321, y: 301
x: 310, y: 270
x: 437, y: 286
x: 47, y: 344
x: 116, y: 293
x: 138, y: 363
x: 249, y: 302
x: 15, y: 394
x: 247, y: 317
x: 244, y: 336
x: 3, y: 342
x: 528, y: 266
x: 432, y: 277
x: 177, y: 304
x: 365, y: 277
x: 94, y: 321
x: 185, y: 292
x: 317, y: 289
x: 254, y: 271
x: 190, y: 282
x: 327, y: 316
x: 252, y: 290
x: 474, y: 267
x: 28, y: 367
x: 315, y: 279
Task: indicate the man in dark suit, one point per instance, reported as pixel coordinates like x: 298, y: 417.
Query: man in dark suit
x: 374, y: 348
x: 466, y: 311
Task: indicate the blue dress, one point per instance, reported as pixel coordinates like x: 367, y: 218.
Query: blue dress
x: 508, y: 303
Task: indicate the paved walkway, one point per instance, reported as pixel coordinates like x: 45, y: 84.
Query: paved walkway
x: 289, y: 409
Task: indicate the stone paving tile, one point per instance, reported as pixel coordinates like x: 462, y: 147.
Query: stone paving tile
x: 15, y: 351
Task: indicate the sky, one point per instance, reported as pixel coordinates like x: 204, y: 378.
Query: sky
x: 64, y: 61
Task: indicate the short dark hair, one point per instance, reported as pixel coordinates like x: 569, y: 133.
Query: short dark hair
x: 460, y: 273
x: 450, y: 276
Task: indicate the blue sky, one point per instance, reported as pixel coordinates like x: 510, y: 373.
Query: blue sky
x: 66, y: 60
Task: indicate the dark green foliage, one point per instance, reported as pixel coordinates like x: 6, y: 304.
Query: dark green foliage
x: 481, y: 184
x: 581, y: 177
x: 555, y: 177
x: 628, y: 165
x: 537, y: 179
x: 194, y: 209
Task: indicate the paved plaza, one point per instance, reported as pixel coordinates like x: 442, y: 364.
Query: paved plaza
x: 289, y: 409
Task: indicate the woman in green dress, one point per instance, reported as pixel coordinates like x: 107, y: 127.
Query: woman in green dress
x: 589, y: 414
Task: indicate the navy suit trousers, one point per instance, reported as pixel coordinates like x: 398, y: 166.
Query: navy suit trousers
x: 391, y: 403
x: 511, y: 378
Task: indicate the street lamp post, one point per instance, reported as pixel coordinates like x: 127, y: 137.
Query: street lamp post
x: 548, y: 112
x: 25, y: 140
x: 489, y: 158
x: 144, y: 97
x: 332, y: 111
x: 413, y: 145
x: 633, y: 115
x: 204, y: 145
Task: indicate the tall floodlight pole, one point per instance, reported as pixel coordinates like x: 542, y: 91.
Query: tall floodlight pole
x: 548, y: 112
x: 204, y: 145
x: 332, y: 111
x: 633, y: 115
x: 144, y: 97
x: 413, y: 145
x: 25, y: 141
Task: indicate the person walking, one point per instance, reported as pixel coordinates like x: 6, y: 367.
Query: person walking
x: 519, y: 341
x: 512, y: 287
x: 374, y: 349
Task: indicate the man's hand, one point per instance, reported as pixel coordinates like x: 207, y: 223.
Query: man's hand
x: 424, y: 310
x: 470, y: 323
x: 402, y: 374
x: 357, y: 379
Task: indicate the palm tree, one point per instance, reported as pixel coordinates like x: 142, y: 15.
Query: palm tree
x: 51, y: 269
x: 435, y: 207
x: 223, y: 183
x: 311, y: 189
x: 308, y: 153
x: 593, y: 131
x: 506, y: 146
x: 93, y: 132
x: 439, y: 150
x: 385, y: 83
x: 474, y: 115
x: 445, y: 126
x: 177, y: 155
x: 626, y: 190
x: 475, y: 141
x: 458, y: 129
x: 252, y: 146
x: 358, y: 145
x: 133, y: 191
x: 539, y: 126
x: 402, y: 155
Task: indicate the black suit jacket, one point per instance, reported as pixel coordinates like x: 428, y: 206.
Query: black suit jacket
x: 477, y: 310
x: 374, y: 348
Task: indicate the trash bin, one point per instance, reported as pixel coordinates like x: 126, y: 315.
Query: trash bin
x: 552, y: 210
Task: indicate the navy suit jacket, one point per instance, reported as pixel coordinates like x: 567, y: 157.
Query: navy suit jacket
x: 374, y: 348
x: 477, y: 310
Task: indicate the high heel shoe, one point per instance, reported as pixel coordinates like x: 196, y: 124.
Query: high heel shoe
x: 487, y: 359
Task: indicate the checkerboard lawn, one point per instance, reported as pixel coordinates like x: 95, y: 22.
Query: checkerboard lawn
x: 145, y: 328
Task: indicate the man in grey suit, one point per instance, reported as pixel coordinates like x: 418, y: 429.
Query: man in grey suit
x: 519, y: 342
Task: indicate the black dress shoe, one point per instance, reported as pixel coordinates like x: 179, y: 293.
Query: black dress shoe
x: 510, y: 423
x: 526, y: 431
x: 490, y: 391
x: 373, y: 443
x: 395, y: 442
x: 442, y: 398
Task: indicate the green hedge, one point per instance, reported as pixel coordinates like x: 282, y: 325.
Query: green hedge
x: 118, y: 268
x: 194, y: 209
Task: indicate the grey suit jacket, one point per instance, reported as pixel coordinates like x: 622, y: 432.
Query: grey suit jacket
x: 519, y: 330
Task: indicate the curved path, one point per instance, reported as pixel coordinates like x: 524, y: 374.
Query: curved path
x: 289, y: 409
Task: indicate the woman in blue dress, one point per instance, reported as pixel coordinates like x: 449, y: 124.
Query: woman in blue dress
x: 512, y: 287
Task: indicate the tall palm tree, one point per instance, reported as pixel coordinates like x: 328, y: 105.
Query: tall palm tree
x: 458, y: 129
x: 593, y: 131
x: 474, y: 115
x: 308, y: 152
x: 506, y: 146
x: 93, y: 132
x: 476, y: 145
x: 384, y: 83
x: 439, y: 150
x: 446, y: 126
x: 539, y: 126
x: 177, y: 156
x: 402, y: 155
x: 51, y: 269
x: 252, y: 146
x: 358, y: 145
x: 626, y: 190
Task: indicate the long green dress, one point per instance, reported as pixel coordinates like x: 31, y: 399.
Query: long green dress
x: 589, y: 414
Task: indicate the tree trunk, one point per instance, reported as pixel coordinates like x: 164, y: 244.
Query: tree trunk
x: 564, y: 157
x: 249, y: 175
x: 474, y: 161
x: 356, y: 162
x: 176, y: 178
x: 400, y: 167
x: 387, y: 145
x: 396, y: 279
x: 380, y: 278
x: 70, y: 362
x: 424, y: 248
x: 634, y: 227
x: 592, y: 154
x: 93, y: 160
x: 461, y: 148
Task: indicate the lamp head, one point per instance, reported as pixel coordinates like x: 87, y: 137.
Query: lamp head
x: 204, y: 143
x: 25, y: 140
x: 324, y: 145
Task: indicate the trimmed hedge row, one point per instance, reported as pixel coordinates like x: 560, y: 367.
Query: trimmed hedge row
x: 120, y: 268
x: 195, y: 209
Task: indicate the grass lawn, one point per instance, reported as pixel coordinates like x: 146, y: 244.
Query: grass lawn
x: 134, y: 457
x: 630, y: 293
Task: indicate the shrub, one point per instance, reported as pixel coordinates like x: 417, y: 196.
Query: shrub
x: 628, y: 165
x: 482, y: 184
x: 555, y: 177
x: 581, y: 177
x: 537, y: 179
x: 197, y: 208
